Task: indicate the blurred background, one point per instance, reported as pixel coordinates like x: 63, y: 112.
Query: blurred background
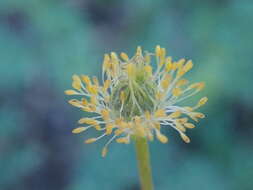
x: 44, y: 42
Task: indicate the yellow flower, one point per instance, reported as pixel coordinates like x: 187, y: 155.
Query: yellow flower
x: 134, y: 101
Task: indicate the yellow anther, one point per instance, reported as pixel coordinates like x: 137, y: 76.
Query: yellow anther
x: 196, y: 115
x: 95, y: 80
x: 118, y: 121
x: 175, y: 114
x: 160, y: 113
x: 202, y: 101
x: 84, y: 102
x: 168, y: 67
x: 182, y: 120
x: 86, y: 80
x: 92, y: 89
x: 107, y: 84
x: 176, y: 91
x: 130, y: 68
x: 105, y: 114
x: 122, y: 96
x: 118, y: 132
x: 147, y: 115
x: 93, y: 100
x: 124, y: 56
x: 180, y: 63
x: 114, y: 56
x: 87, y: 109
x: 158, y: 51
x: 182, y: 82
x: 75, y: 103
x: 185, y: 138
x: 148, y: 70
x: 199, y: 115
x: 88, y: 121
x: 199, y: 86
x: 98, y: 127
x: 107, y: 99
x: 79, y: 130
x: 91, y: 140
x: 109, y: 127
x: 123, y: 125
x: 162, y: 56
x: 174, y: 66
x: 71, y: 92
x: 139, y: 51
x: 147, y: 58
x: 187, y: 108
x: 168, y: 60
x: 162, y: 138
x: 159, y: 95
x: 76, y: 84
x: 188, y: 66
x: 106, y: 64
x: 189, y: 125
x: 124, y: 140
x: 157, y: 125
x: 166, y: 81
x: 104, y: 151
x: 180, y: 127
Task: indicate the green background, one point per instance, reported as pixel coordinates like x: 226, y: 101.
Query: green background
x: 44, y: 42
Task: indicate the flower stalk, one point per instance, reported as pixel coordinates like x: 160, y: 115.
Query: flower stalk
x: 143, y: 160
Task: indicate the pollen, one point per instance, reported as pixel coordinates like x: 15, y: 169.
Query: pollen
x: 135, y: 99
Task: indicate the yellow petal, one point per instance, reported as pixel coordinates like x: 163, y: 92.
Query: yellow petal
x: 176, y: 91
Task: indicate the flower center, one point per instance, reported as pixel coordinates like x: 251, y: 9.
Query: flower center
x: 133, y: 96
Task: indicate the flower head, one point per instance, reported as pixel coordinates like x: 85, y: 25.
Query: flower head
x: 135, y: 101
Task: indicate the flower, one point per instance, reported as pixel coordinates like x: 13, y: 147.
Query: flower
x: 133, y: 101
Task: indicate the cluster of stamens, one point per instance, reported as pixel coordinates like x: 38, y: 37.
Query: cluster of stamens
x: 134, y: 101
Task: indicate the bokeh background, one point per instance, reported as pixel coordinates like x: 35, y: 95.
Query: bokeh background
x: 44, y: 42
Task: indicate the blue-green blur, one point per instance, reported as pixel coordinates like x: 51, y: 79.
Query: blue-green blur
x: 44, y: 42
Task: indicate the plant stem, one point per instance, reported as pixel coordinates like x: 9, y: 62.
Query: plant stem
x: 142, y: 152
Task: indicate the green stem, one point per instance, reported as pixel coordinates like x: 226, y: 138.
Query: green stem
x: 142, y: 152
